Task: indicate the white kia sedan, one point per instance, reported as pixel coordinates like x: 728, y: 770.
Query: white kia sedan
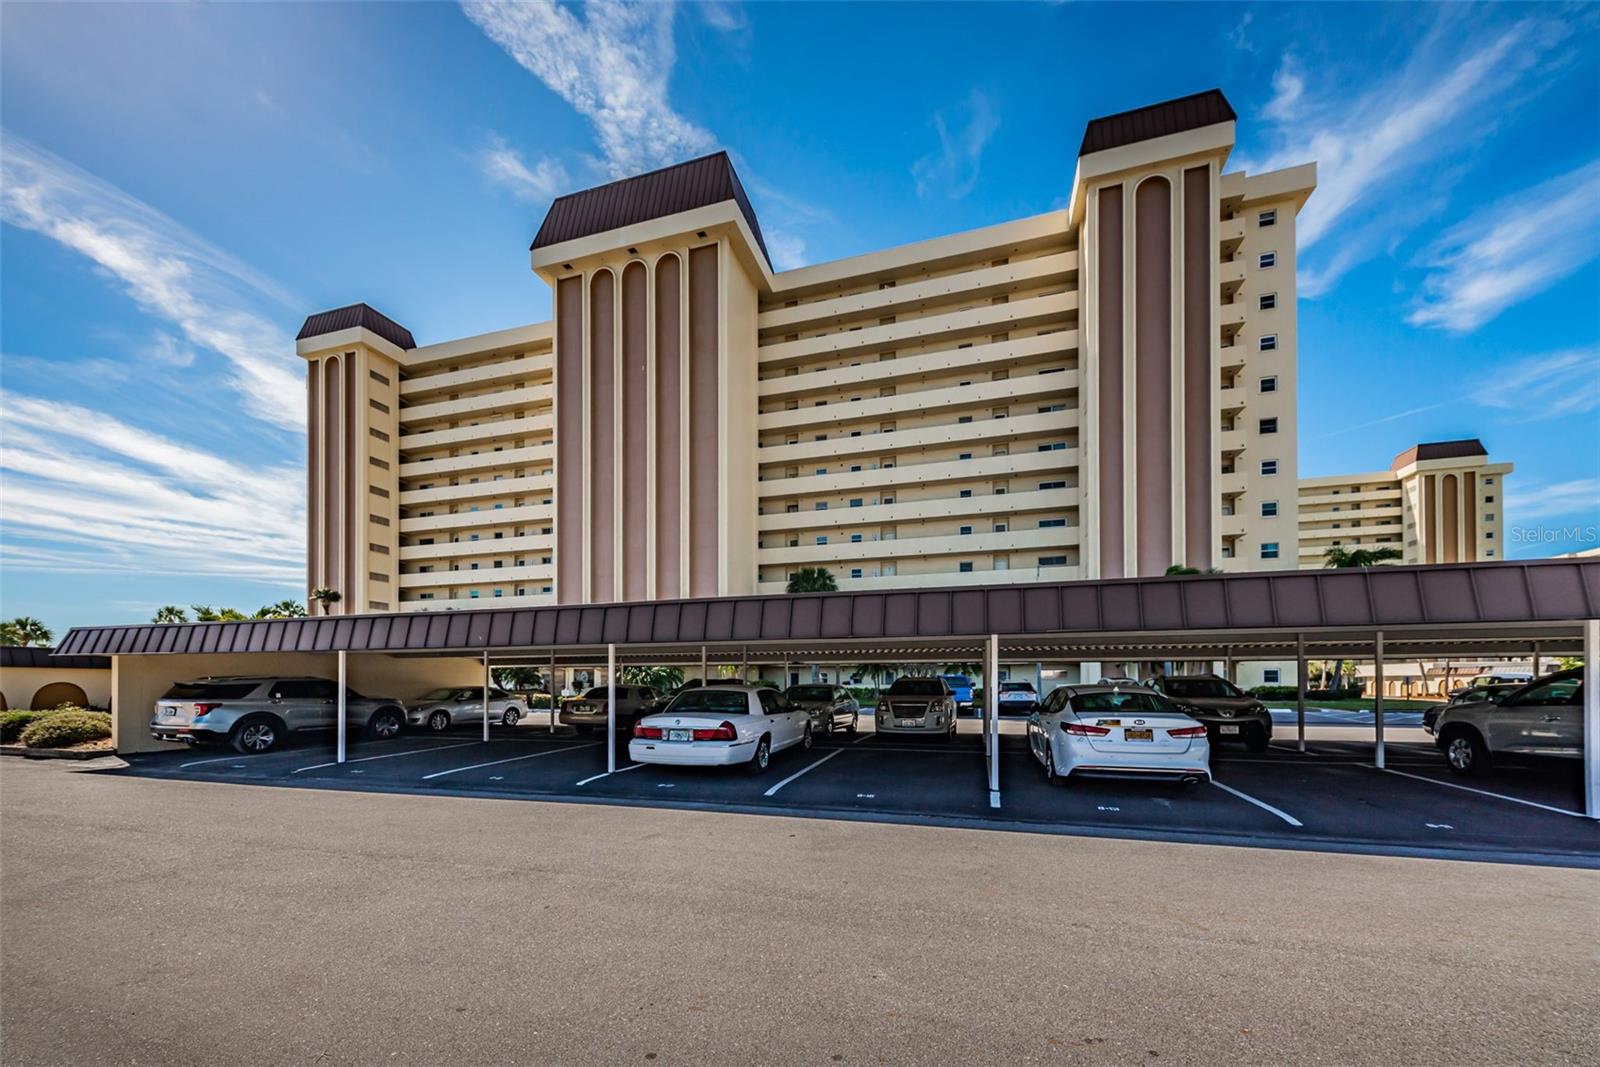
x: 718, y: 726
x: 1117, y: 732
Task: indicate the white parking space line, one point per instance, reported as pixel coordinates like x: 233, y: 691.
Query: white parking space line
x: 389, y: 755
x: 1481, y: 792
x: 203, y: 762
x: 513, y: 759
x: 1262, y: 804
x: 607, y: 774
x: 802, y: 771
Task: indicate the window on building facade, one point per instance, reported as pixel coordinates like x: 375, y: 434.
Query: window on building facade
x: 1267, y: 218
x: 964, y: 567
x: 1269, y: 509
x: 1266, y: 260
x: 965, y: 530
x: 1269, y: 384
x: 1268, y: 342
x: 1269, y: 466
x: 1268, y: 301
x: 1267, y: 426
x: 1271, y: 676
x: 1052, y: 561
x: 1269, y: 550
x: 855, y: 572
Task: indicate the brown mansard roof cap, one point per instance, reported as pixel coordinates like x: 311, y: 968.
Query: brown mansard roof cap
x: 1156, y: 120
x: 1439, y: 450
x: 681, y: 187
x: 362, y: 315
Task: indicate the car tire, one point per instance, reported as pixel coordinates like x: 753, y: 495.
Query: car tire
x: 385, y: 724
x: 511, y: 716
x: 854, y: 722
x: 439, y: 721
x: 1257, y: 741
x: 1050, y: 775
x: 806, y: 738
x: 255, y: 736
x: 1466, y: 754
x: 950, y: 734
x: 761, y: 759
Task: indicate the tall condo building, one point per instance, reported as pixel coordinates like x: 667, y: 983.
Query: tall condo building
x: 1100, y: 391
x: 1440, y: 502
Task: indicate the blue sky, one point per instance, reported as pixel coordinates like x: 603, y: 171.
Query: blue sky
x: 184, y: 183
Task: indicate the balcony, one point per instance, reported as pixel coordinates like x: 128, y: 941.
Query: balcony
x: 1055, y: 465
x: 1024, y: 389
x: 534, y: 544
x: 482, y: 433
x: 944, y: 507
x: 503, y: 400
x: 522, y: 370
x: 540, y: 513
x: 446, y: 579
x: 988, y: 432
x: 438, y: 494
x: 503, y: 457
x: 1056, y: 346
x: 843, y: 553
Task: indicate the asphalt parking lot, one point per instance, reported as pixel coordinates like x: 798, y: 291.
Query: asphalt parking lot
x: 1328, y: 798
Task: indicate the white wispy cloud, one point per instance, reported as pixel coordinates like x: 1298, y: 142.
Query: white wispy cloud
x: 504, y: 165
x: 723, y: 15
x: 1549, y: 500
x: 1505, y: 252
x: 84, y: 491
x: 207, y: 295
x: 1434, y: 102
x: 964, y: 131
x: 1549, y: 386
x: 612, y: 65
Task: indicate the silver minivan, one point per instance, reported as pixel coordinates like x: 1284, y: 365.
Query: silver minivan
x: 257, y: 714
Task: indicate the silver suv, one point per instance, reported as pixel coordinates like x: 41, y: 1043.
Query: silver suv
x: 257, y: 714
x: 1542, y: 718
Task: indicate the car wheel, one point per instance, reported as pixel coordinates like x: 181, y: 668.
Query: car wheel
x: 950, y: 735
x: 1050, y: 775
x: 254, y: 736
x: 1257, y: 741
x: 806, y: 739
x: 763, y: 756
x: 385, y: 724
x: 1466, y: 753
x: 511, y: 717
x: 439, y: 721
x: 854, y: 719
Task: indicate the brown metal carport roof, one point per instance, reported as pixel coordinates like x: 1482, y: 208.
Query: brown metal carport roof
x: 1483, y: 605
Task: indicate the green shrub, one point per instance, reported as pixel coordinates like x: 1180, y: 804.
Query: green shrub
x: 13, y: 722
x: 58, y: 729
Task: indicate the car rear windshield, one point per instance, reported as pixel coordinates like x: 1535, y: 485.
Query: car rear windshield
x: 917, y: 687
x: 810, y: 692
x: 441, y: 694
x: 1016, y: 687
x: 714, y: 701
x: 1119, y: 702
x: 210, y: 691
x: 1199, y: 687
x: 958, y: 681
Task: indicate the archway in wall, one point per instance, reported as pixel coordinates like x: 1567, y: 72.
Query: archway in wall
x: 3, y: 705
x: 58, y: 693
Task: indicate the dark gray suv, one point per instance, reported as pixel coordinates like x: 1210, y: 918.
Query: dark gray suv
x: 1229, y: 713
x: 257, y: 714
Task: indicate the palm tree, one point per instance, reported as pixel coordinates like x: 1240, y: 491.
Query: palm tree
x: 813, y: 580
x: 875, y: 671
x: 25, y: 630
x: 207, y: 613
x: 661, y: 679
x: 1179, y: 568
x: 1360, y: 557
x: 325, y: 596
x: 168, y: 613
x: 519, y: 679
x: 283, y: 609
x: 1356, y: 557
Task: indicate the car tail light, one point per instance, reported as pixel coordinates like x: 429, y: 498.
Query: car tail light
x: 1083, y: 729
x: 1188, y: 731
x: 205, y: 709
x: 649, y: 733
x: 725, y: 732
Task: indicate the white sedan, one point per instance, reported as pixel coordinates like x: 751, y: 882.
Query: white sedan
x: 1117, y: 732
x: 719, y: 726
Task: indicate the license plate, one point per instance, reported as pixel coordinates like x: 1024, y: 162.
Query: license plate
x: 1138, y: 735
x: 1228, y: 729
x: 908, y: 722
x: 167, y: 713
x: 680, y: 735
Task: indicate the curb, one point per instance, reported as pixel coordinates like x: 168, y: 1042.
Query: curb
x: 55, y: 753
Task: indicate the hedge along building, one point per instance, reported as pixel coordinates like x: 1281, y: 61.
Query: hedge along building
x: 1069, y: 395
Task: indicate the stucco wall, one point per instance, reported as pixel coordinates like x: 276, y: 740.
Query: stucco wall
x: 19, y: 684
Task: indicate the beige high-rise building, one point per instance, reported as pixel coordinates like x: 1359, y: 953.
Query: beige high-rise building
x: 1099, y: 391
x: 1440, y: 502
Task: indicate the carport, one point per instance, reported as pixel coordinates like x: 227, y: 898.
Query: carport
x: 1376, y: 615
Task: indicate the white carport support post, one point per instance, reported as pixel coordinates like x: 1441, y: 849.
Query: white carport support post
x: 344, y: 674
x: 1591, y: 718
x: 611, y: 709
x: 1300, y: 687
x: 703, y: 667
x: 550, y: 687
x: 486, y: 694
x: 1377, y: 695
x: 991, y: 698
